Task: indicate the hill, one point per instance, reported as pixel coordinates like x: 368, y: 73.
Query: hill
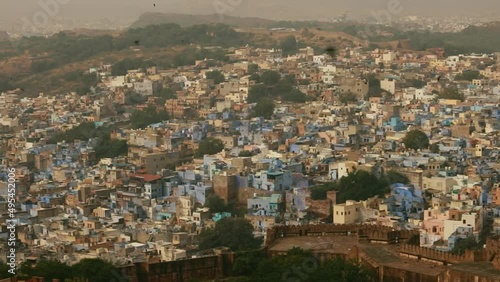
x: 4, y: 36
x: 189, y: 20
x: 473, y: 39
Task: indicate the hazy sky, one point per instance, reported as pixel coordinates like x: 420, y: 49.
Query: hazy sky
x: 12, y: 11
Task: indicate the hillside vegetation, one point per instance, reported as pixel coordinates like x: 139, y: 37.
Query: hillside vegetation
x: 40, y: 64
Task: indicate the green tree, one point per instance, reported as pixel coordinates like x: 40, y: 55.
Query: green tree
x: 209, y: 146
x: 434, y: 148
x: 53, y: 270
x: 358, y: 186
x: 304, y: 82
x: 295, y: 95
x: 255, y: 77
x: 393, y: 177
x: 4, y: 270
x: 451, y: 93
x: 96, y: 270
x: 123, y: 66
x: 215, y: 204
x: 374, y: 89
x: 270, y: 77
x: 141, y: 119
x: 216, y: 75
x: 416, y: 139
x: 132, y: 98
x: 289, y: 46
x: 468, y: 75
x: 319, y: 192
x: 247, y: 262
x: 253, y: 68
x: 111, y: 148
x: 245, y: 153
x: 417, y: 83
x: 264, y: 108
x: 342, y: 270
x: 462, y: 245
x: 165, y: 94
x: 234, y: 233
x: 301, y: 265
x: 346, y: 98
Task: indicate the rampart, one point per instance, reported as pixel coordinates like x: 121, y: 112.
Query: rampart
x: 443, y: 258
x: 367, y: 233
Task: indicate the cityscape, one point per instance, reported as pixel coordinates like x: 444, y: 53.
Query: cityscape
x: 226, y: 148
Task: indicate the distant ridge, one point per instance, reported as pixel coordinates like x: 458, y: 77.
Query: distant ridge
x: 188, y: 20
x: 4, y: 36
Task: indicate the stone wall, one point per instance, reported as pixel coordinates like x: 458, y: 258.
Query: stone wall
x: 369, y: 233
x: 393, y: 274
x: 428, y: 254
x: 204, y: 268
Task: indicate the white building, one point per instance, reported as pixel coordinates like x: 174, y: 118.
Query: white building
x: 388, y: 84
x: 347, y: 213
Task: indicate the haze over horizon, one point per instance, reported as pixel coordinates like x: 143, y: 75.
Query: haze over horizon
x: 122, y: 12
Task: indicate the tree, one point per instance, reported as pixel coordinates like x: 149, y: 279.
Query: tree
x: 257, y: 93
x: 123, y: 66
x: 215, y: 204
x: 434, y: 148
x: 247, y: 262
x: 253, y: 68
x: 111, y: 148
x: 393, y: 177
x: 416, y: 139
x: 209, y: 146
x: 165, y: 94
x: 300, y: 265
x: 468, y: 75
x: 374, y: 89
x: 234, y: 233
x: 358, y: 186
x: 96, y: 270
x: 346, y: 98
x: 48, y: 269
x: 319, y: 192
x: 264, y: 108
x: 417, y: 83
x: 255, y: 77
x: 295, y: 95
x: 245, y: 153
x: 451, y: 93
x: 342, y: 270
x: 149, y: 115
x: 4, y: 271
x: 462, y: 245
x: 289, y: 45
x: 270, y: 77
x: 216, y: 75
x: 132, y: 98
